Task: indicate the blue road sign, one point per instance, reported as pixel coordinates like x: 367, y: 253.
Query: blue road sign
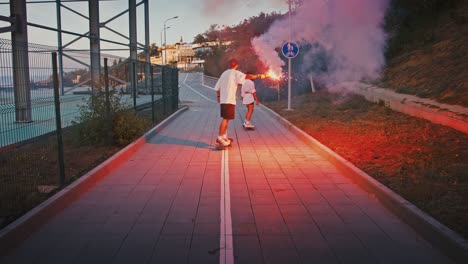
x: 290, y: 49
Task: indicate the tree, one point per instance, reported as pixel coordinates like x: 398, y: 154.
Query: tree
x: 404, y: 18
x: 203, y: 54
x: 199, y: 39
x: 154, y: 50
x: 216, y: 60
x: 241, y: 47
x: 212, y: 34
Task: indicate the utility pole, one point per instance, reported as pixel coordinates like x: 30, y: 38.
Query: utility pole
x: 19, y: 40
x: 133, y: 46
x: 94, y: 43
x: 60, y: 46
x: 162, y: 58
x: 147, y: 42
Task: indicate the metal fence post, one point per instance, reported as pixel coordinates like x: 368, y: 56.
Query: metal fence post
x: 278, y: 91
x: 172, y: 89
x: 176, y: 93
x: 135, y: 84
x: 169, y: 90
x: 106, y: 83
x: 58, y: 120
x: 164, y: 89
x: 152, y: 93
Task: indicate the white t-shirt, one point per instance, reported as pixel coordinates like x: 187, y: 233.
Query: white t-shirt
x: 227, y: 85
x: 248, y: 88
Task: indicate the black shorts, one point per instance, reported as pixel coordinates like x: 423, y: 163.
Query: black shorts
x: 228, y: 111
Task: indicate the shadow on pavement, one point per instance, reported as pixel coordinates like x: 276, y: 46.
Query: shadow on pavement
x: 162, y: 139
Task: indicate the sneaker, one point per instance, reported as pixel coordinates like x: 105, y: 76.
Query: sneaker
x: 246, y: 123
x: 249, y: 125
x: 223, y: 142
x: 225, y: 137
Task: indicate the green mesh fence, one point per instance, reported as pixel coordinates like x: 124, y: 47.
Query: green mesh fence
x: 29, y: 156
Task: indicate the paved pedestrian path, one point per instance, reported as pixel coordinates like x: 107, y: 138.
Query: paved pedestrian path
x: 267, y: 199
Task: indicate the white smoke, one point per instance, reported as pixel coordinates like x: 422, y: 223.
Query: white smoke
x: 347, y: 34
x: 210, y: 6
x: 223, y: 7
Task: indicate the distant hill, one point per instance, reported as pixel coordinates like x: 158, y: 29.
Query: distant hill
x: 427, y: 54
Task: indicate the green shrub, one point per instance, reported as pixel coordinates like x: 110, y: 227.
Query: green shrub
x: 125, y: 124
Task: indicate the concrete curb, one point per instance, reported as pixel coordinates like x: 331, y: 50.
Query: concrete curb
x: 411, y: 107
x: 435, y: 232
x: 13, y: 234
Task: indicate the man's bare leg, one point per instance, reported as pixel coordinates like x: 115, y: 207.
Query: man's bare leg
x: 223, y: 127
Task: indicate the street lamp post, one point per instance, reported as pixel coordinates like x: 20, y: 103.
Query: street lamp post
x: 165, y: 43
x: 160, y: 34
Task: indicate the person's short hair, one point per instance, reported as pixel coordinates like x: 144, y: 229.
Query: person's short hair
x: 233, y: 63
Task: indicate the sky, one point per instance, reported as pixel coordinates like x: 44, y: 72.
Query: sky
x: 195, y: 16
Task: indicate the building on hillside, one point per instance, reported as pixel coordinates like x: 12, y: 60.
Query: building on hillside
x: 206, y: 46
x: 156, y: 60
x: 184, y: 55
x: 169, y: 53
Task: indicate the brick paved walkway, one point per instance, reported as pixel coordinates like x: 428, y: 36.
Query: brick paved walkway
x: 287, y: 204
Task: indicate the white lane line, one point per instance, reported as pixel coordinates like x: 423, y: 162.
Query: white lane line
x: 190, y: 87
x: 209, y: 87
x: 203, y: 82
x: 226, y: 253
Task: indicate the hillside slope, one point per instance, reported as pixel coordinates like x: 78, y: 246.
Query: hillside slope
x: 432, y: 56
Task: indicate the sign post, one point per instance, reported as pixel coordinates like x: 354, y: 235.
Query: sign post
x: 290, y: 50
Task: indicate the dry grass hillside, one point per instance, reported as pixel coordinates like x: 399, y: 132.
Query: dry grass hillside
x: 432, y: 60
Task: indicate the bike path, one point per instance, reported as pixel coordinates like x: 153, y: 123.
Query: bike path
x: 268, y: 199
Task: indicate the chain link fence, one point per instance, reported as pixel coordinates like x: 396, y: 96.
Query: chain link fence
x: 42, y: 110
